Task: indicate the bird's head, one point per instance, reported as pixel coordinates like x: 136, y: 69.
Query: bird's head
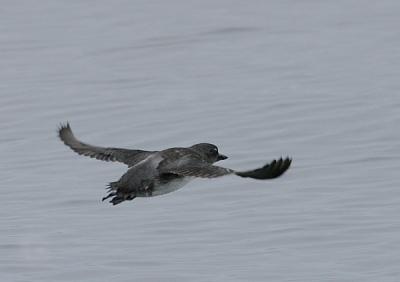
x: 209, y: 151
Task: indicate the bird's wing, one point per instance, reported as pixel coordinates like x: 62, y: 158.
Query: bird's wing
x: 271, y: 170
x: 199, y: 169
x: 126, y: 156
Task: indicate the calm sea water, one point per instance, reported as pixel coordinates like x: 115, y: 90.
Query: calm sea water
x: 315, y: 80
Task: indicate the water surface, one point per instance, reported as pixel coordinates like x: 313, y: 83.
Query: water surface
x: 314, y: 80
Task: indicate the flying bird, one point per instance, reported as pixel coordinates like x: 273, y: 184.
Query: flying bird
x: 152, y: 173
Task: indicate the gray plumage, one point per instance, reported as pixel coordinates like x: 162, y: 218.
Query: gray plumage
x: 153, y: 173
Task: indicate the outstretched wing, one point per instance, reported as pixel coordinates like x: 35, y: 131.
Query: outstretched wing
x: 272, y: 170
x: 126, y: 156
x: 200, y: 170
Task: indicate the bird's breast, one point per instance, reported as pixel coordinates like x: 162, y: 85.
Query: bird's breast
x: 170, y: 185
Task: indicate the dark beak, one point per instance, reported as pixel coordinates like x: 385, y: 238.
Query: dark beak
x: 221, y: 157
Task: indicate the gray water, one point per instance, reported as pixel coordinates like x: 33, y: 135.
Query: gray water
x: 315, y: 80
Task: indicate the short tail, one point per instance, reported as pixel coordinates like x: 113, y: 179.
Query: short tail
x: 112, y: 186
x: 117, y: 195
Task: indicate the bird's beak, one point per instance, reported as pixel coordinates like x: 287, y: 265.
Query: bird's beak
x: 221, y: 157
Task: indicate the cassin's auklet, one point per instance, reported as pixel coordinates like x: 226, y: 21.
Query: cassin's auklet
x: 153, y: 173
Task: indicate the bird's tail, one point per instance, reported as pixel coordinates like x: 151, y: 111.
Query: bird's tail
x: 117, y: 194
x: 112, y: 186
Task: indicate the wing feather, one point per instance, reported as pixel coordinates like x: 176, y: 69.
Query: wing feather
x: 126, y: 156
x: 201, y: 170
x: 271, y: 170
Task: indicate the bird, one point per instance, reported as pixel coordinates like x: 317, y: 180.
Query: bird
x: 153, y: 173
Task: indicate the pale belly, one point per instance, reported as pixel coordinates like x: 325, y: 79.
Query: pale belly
x: 171, y: 186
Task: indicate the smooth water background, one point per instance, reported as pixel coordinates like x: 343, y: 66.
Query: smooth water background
x: 316, y: 80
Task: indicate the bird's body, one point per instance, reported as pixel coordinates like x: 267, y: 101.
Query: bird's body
x: 146, y: 177
x: 153, y: 173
